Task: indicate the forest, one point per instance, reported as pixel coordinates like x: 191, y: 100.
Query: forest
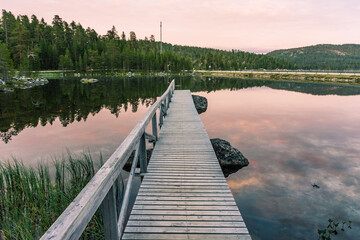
x: 31, y: 44
x: 322, y: 57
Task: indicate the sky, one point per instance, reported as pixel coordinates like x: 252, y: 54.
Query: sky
x: 251, y: 25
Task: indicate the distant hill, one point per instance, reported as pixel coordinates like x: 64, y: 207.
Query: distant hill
x: 215, y: 59
x: 322, y: 56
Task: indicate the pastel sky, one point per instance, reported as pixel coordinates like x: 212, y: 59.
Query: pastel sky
x: 251, y: 25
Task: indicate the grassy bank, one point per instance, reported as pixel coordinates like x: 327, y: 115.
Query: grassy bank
x: 306, y: 77
x: 31, y: 200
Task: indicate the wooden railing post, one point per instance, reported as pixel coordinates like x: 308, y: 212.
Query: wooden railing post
x: 169, y: 100
x: 170, y: 96
x: 120, y: 193
x: 165, y: 106
x: 154, y: 127
x: 110, y: 215
x: 125, y: 203
x: 161, y: 115
x: 142, y: 154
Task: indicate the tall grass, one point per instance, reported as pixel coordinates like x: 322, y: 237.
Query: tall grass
x: 31, y: 199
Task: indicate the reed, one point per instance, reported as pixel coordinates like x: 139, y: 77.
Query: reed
x: 32, y: 199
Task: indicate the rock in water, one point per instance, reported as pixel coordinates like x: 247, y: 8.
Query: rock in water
x: 200, y: 103
x: 230, y: 159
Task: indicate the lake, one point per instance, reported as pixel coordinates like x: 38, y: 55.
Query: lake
x: 294, y: 134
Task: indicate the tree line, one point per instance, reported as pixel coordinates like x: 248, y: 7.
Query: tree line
x: 215, y: 59
x: 30, y: 44
x: 322, y: 57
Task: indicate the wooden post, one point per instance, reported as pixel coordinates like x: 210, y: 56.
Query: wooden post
x: 120, y: 193
x: 125, y: 203
x: 109, y: 215
x: 169, y: 100
x: 161, y: 115
x: 142, y: 153
x: 154, y: 127
x: 170, y: 96
x: 165, y: 108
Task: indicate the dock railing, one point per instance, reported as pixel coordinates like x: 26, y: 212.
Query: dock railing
x: 101, y: 190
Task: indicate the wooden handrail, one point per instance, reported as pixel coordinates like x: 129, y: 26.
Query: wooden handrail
x: 100, y: 189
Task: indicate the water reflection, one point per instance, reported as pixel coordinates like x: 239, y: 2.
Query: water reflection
x: 69, y: 101
x: 74, y: 116
x: 294, y: 134
x: 292, y: 140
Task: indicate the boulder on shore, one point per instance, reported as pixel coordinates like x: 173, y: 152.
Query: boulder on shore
x: 200, y: 103
x: 230, y: 158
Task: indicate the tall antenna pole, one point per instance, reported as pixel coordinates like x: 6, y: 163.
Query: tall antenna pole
x: 160, y: 37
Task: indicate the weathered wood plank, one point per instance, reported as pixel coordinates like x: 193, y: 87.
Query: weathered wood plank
x: 182, y: 207
x: 148, y: 183
x: 154, y: 236
x: 181, y: 223
x: 184, y: 180
x: 187, y: 203
x: 159, y: 190
x: 237, y: 218
x: 181, y: 194
x: 205, y: 230
x: 179, y: 186
x: 185, y: 213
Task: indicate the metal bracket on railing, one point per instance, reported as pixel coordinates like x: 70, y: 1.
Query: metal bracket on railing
x: 150, y: 137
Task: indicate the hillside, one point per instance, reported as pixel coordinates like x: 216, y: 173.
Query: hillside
x: 323, y: 56
x: 215, y: 59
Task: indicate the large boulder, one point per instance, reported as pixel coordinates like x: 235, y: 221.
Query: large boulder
x: 230, y: 158
x: 200, y: 103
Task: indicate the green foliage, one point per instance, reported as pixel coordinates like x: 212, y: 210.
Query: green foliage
x: 65, y: 61
x: 212, y: 59
x: 332, y: 229
x: 30, y: 200
x: 323, y: 56
x: 6, y: 63
x: 70, y: 46
x: 35, y: 45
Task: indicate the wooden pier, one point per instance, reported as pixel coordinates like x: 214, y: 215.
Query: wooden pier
x: 183, y: 195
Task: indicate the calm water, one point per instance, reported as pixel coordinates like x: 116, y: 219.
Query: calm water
x: 294, y: 134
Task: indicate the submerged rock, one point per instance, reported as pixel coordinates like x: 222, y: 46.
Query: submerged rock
x: 230, y: 158
x: 200, y: 103
x: 127, y: 166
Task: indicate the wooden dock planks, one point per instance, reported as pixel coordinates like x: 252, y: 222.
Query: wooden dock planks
x: 184, y: 195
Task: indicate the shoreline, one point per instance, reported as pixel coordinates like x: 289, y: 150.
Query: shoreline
x: 342, y: 78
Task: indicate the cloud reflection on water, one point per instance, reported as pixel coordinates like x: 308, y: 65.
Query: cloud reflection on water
x: 292, y: 140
